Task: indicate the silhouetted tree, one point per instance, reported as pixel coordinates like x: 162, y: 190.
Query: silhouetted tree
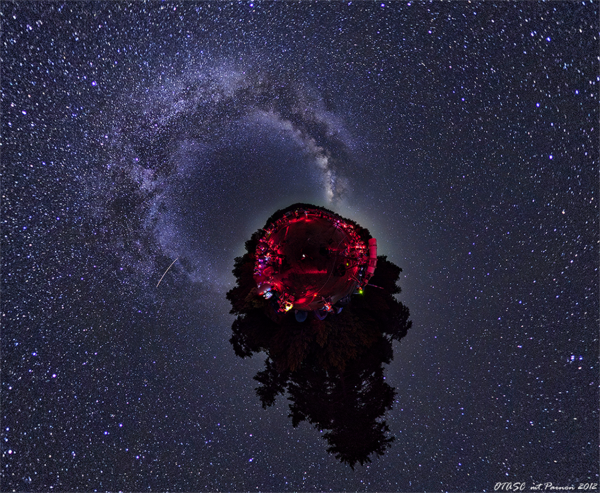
x: 332, y: 369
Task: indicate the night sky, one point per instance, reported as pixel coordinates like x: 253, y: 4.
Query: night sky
x: 463, y: 135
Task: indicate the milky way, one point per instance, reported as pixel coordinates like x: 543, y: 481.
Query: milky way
x: 216, y: 146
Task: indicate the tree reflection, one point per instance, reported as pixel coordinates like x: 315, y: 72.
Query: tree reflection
x: 332, y: 369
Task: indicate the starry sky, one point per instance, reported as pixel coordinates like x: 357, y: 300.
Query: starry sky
x: 463, y: 135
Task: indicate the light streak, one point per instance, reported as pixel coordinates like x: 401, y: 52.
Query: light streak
x: 167, y: 270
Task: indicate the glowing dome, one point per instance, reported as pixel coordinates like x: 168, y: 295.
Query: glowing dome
x: 311, y: 259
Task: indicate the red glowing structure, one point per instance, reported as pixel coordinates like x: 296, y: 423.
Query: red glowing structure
x: 312, y: 260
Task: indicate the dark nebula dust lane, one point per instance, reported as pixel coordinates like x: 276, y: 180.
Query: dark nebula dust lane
x: 149, y: 140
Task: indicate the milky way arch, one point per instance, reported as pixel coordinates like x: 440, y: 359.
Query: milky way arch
x: 195, y: 154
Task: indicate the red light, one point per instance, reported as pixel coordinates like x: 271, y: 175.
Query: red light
x: 306, y: 253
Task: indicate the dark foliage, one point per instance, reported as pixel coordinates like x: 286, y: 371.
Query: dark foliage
x: 332, y: 369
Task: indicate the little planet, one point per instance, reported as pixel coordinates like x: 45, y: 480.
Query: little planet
x: 314, y: 297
